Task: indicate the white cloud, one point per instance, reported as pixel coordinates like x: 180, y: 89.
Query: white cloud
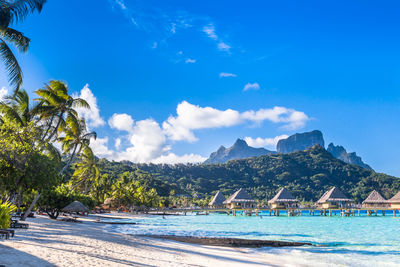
x: 172, y: 158
x: 117, y: 143
x: 100, y: 147
x: 154, y: 46
x: 121, y: 4
x: 3, y: 93
x: 223, y: 47
x: 190, y: 60
x: 148, y: 142
x: 210, y: 31
x: 191, y: 117
x: 92, y: 115
x: 265, y: 142
x: 122, y: 122
x: 226, y: 74
x: 251, y: 86
x: 293, y: 119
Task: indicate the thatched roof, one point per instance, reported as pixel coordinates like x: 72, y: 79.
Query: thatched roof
x: 395, y: 198
x: 334, y: 194
x: 283, y: 196
x: 75, y: 206
x: 375, y: 198
x: 239, y: 196
x: 218, y: 199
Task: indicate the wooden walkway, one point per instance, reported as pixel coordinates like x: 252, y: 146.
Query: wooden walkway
x: 286, y: 212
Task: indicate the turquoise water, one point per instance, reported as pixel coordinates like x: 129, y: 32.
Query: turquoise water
x: 339, y: 241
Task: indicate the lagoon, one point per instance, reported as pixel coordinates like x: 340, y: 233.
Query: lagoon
x: 349, y: 241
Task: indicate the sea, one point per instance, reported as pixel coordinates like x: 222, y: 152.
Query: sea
x: 337, y: 241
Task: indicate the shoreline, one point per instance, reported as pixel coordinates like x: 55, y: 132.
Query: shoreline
x: 56, y: 243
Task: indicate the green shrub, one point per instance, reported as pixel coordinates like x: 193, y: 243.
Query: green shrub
x: 6, y: 210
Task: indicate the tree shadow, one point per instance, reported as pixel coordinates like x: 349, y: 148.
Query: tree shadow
x: 19, y: 258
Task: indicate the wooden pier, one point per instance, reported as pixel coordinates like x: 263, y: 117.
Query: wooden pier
x: 343, y: 212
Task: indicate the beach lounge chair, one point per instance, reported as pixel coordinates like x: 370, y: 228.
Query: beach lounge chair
x: 16, y: 224
x: 6, y: 233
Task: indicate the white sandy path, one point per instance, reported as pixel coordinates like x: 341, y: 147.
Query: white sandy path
x: 55, y: 243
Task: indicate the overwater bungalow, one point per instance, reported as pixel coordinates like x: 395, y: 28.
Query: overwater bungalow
x: 333, y: 199
x: 395, y: 201
x: 375, y: 200
x: 240, y: 200
x: 283, y: 200
x: 217, y: 201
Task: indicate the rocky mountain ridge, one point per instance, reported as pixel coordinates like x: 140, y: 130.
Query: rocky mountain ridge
x: 297, y: 142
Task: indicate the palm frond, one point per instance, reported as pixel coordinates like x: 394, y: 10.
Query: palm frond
x: 19, y: 9
x: 12, y: 66
x: 17, y: 38
x: 80, y: 103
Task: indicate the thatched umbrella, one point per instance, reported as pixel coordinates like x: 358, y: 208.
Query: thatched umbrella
x: 75, y: 206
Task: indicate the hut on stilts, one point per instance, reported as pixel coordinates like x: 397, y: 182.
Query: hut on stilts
x: 333, y: 199
x: 240, y: 200
x: 395, y: 201
x: 375, y: 200
x: 283, y: 200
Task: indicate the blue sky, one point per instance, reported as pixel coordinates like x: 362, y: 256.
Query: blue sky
x: 171, y: 81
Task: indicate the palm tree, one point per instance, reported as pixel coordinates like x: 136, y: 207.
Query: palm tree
x: 86, y: 171
x: 76, y: 139
x: 18, y: 109
x: 57, y: 107
x: 14, y: 12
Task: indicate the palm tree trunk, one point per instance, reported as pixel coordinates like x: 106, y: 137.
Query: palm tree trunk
x: 29, y: 210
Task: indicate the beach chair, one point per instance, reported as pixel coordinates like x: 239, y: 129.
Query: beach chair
x: 4, y: 234
x: 16, y: 224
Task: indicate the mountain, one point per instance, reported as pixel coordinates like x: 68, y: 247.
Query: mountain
x: 307, y: 174
x: 340, y: 152
x: 239, y: 150
x: 300, y: 141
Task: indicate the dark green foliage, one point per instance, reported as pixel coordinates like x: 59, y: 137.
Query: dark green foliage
x: 307, y: 174
x: 54, y: 200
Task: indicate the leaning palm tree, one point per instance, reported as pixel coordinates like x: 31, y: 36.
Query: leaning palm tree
x: 12, y: 12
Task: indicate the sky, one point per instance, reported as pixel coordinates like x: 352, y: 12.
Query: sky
x: 171, y: 81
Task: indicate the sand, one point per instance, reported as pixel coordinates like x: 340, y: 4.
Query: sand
x: 56, y: 243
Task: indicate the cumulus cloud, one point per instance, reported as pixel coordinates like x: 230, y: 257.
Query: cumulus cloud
x: 265, y: 142
x: 292, y: 119
x: 190, y: 60
x: 3, y: 93
x: 100, y: 147
x: 226, y: 74
x: 117, y: 143
x: 251, y: 86
x: 190, y: 117
x: 172, y: 158
x: 148, y: 142
x: 122, y: 122
x: 92, y: 115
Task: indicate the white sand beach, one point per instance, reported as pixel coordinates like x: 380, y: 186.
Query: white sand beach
x: 56, y: 243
